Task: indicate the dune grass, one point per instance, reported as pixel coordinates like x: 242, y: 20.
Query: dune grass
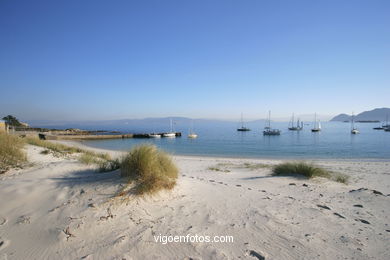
x: 150, y: 168
x: 11, y: 152
x: 307, y: 170
x: 102, y: 160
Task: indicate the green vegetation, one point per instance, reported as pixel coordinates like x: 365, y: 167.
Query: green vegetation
x: 255, y: 166
x: 11, y: 152
x: 12, y: 121
x: 150, y: 168
x: 307, y: 170
x: 102, y: 160
x: 224, y: 167
x: 218, y: 169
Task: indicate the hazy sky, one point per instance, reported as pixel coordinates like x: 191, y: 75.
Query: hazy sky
x: 205, y: 59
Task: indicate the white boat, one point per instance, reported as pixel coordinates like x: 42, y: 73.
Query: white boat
x: 192, y: 136
x: 354, y: 130
x: 317, y: 124
x: 268, y: 130
x: 171, y: 133
x: 154, y: 136
x: 191, y: 133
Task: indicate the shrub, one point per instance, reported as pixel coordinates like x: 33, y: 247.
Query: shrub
x: 11, y: 153
x: 150, y: 168
x: 308, y: 170
x: 300, y: 168
x: 109, y: 165
x: 88, y: 158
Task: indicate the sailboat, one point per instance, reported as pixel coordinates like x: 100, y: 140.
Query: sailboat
x: 268, y: 130
x: 385, y: 127
x: 298, y: 127
x: 354, y: 130
x: 191, y: 132
x: 242, y: 128
x: 154, y: 135
x: 317, y: 125
x: 171, y: 133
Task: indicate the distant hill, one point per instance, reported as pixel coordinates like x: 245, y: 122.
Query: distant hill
x: 377, y: 114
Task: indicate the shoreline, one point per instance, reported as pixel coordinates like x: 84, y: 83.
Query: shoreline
x: 81, y: 144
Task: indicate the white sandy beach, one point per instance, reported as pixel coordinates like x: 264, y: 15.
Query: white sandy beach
x: 61, y: 209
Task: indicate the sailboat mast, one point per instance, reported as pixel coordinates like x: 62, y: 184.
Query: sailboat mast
x: 269, y: 119
x: 242, y: 121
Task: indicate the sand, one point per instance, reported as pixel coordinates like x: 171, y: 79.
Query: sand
x: 58, y: 208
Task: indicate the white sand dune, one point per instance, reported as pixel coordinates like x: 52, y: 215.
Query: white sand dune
x: 61, y: 209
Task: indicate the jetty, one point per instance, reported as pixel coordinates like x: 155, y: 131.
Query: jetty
x: 45, y: 136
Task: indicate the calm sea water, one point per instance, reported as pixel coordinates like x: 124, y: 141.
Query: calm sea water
x: 334, y: 141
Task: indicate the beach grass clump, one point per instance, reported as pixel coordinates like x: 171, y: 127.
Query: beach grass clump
x: 11, y: 152
x: 339, y: 177
x: 89, y: 158
x: 218, y: 169
x: 150, y: 168
x: 255, y: 166
x: 300, y: 168
x: 109, y: 165
x: 308, y: 170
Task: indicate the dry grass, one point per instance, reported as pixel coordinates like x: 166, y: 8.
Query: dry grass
x: 11, y: 153
x: 255, y: 166
x: 307, y: 170
x: 150, y: 168
x: 218, y: 169
x: 102, y: 160
x: 55, y: 148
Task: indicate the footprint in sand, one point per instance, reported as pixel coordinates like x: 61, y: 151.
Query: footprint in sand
x: 119, y: 240
x: 256, y: 255
x: 25, y: 219
x: 238, y: 185
x: 2, y: 221
x: 3, y: 243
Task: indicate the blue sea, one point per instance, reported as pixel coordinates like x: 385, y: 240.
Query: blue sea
x: 334, y: 141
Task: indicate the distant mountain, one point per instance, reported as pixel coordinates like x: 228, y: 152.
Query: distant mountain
x: 377, y: 114
x: 341, y: 118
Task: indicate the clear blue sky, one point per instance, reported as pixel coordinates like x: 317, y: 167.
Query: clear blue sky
x: 93, y: 59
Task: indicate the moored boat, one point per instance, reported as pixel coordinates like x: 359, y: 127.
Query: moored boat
x: 268, y: 130
x: 354, y: 130
x: 243, y: 128
x: 317, y: 124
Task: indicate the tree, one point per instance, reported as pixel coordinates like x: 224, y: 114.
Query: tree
x: 11, y: 121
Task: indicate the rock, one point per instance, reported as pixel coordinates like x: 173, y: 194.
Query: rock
x: 358, y: 206
x: 305, y: 185
x: 292, y: 184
